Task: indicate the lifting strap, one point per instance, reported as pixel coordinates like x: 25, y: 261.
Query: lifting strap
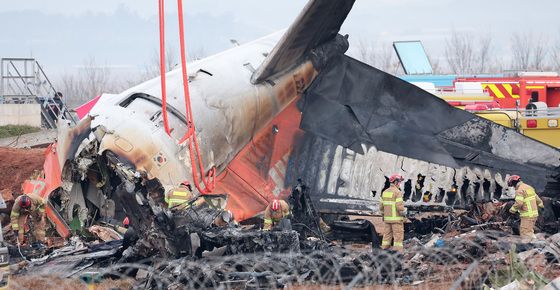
x: 190, y: 136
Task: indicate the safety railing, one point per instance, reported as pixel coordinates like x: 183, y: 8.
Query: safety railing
x: 23, y: 81
x: 553, y: 112
x: 541, y: 113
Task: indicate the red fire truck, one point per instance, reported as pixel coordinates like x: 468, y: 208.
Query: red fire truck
x: 527, y: 87
x: 528, y: 101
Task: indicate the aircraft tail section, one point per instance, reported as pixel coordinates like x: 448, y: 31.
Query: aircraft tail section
x: 318, y: 23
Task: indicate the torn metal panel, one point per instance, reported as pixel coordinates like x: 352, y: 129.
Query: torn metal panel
x: 345, y: 182
x: 69, y: 261
x: 69, y: 139
x: 399, y: 118
x: 75, y: 205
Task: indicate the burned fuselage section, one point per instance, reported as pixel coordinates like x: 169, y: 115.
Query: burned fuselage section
x: 104, y: 185
x: 119, y: 161
x: 357, y: 133
x: 109, y: 178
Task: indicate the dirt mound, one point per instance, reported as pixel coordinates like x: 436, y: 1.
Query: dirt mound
x: 17, y: 165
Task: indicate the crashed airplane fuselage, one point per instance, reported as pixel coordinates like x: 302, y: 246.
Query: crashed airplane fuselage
x: 352, y: 127
x: 228, y: 110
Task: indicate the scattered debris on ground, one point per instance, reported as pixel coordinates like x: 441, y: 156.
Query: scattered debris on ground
x: 477, y: 245
x: 471, y: 248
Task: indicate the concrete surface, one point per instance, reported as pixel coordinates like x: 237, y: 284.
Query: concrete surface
x: 37, y: 139
x: 20, y: 114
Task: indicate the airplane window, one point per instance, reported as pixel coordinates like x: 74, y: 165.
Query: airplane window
x: 144, y: 107
x: 150, y: 107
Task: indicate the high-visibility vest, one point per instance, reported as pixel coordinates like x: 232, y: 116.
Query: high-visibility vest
x: 389, y: 201
x: 177, y: 197
x: 530, y: 202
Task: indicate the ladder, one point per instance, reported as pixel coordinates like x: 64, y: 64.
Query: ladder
x: 23, y: 81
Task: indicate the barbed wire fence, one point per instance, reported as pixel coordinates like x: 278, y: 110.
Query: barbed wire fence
x: 481, y: 258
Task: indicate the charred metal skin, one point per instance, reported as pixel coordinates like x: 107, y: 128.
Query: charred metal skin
x: 132, y: 128
x: 447, y: 156
x: 130, y: 124
x: 231, y: 100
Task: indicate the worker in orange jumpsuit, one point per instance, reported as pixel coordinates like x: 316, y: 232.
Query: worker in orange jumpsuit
x: 526, y: 203
x: 32, y: 207
x: 393, y: 214
x: 274, y: 213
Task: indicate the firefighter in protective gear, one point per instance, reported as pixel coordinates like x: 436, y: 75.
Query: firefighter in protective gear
x: 393, y: 214
x: 178, y: 198
x: 32, y: 207
x: 526, y: 203
x: 274, y: 213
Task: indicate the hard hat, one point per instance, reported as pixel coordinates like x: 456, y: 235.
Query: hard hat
x: 395, y: 178
x: 186, y: 183
x: 275, y: 205
x: 513, y: 179
x: 126, y: 222
x: 25, y: 201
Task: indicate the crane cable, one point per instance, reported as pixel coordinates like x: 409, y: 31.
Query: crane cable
x: 190, y: 136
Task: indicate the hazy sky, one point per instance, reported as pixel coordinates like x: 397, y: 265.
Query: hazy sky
x: 123, y: 34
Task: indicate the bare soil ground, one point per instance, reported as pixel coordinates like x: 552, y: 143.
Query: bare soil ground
x: 17, y: 165
x: 47, y: 283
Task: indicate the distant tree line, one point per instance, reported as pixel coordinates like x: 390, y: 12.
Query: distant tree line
x: 466, y: 53
x: 94, y: 78
x: 463, y: 53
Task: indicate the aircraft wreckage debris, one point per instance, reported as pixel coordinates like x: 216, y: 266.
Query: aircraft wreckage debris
x: 471, y: 247
x: 285, y: 118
